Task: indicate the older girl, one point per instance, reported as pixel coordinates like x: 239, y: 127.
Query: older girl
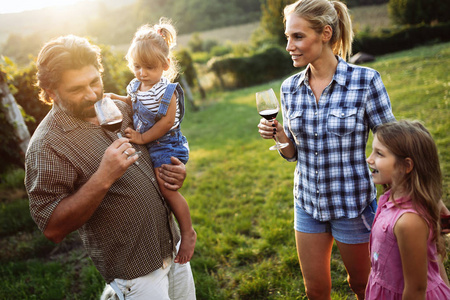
x: 405, y: 243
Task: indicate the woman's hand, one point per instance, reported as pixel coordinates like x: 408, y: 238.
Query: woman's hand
x: 268, y: 129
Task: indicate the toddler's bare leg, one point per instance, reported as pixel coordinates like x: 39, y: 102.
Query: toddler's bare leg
x: 180, y: 209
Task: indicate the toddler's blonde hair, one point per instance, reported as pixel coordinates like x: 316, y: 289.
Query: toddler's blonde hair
x: 152, y: 46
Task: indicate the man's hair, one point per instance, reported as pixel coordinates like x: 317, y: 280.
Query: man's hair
x: 62, y: 54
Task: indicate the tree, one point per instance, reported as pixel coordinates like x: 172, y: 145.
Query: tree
x: 188, y: 76
x: 14, y: 135
x: 419, y: 11
x: 271, y: 28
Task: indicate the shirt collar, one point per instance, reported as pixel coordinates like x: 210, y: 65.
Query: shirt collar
x: 162, y: 82
x: 342, y: 72
x: 398, y: 201
x: 340, y: 76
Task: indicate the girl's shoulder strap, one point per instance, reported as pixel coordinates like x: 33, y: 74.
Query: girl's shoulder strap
x: 135, y: 84
x: 167, y: 96
x: 165, y: 99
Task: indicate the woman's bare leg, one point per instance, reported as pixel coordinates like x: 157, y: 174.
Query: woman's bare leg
x: 314, y: 253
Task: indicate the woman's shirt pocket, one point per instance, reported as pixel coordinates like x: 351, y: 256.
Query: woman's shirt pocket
x: 296, y: 124
x: 342, y: 120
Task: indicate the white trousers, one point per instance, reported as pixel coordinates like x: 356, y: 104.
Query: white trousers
x: 172, y: 282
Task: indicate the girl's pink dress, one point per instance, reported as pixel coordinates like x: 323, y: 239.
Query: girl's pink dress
x: 386, y: 276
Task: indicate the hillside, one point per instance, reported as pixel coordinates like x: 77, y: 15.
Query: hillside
x: 47, y: 22
x: 240, y: 196
x: 110, y: 22
x: 114, y: 22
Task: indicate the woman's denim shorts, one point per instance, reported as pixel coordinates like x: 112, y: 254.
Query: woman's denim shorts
x: 344, y: 230
x: 173, y: 143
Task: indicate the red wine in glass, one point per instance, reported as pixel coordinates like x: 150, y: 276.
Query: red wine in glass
x: 110, y: 117
x: 268, y: 107
x: 269, y: 114
x: 113, y: 126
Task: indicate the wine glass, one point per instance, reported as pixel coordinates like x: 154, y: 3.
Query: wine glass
x: 268, y: 107
x: 110, y: 117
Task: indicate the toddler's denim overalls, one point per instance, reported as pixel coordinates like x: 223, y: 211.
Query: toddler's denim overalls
x: 173, y: 143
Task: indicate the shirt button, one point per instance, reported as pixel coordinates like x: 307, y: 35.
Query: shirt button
x: 317, y: 191
x: 342, y: 114
x: 315, y: 153
x: 315, y: 134
x: 170, y: 241
x: 315, y: 113
x: 317, y: 172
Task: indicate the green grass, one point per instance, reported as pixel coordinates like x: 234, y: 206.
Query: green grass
x: 240, y: 192
x: 240, y: 195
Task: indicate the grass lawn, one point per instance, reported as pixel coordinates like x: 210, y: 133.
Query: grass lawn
x: 240, y: 195
x: 240, y: 192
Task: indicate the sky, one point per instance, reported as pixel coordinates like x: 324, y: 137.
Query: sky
x: 14, y: 6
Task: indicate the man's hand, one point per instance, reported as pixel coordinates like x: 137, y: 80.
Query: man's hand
x: 75, y: 210
x: 173, y: 174
x: 117, y: 159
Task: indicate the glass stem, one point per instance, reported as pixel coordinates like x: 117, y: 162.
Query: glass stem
x: 276, y: 137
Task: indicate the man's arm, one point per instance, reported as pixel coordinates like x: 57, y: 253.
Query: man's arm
x: 75, y: 210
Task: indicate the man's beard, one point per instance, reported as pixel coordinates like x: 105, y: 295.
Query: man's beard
x: 83, y: 110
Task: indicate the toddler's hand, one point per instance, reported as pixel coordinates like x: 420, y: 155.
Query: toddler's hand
x: 133, y: 136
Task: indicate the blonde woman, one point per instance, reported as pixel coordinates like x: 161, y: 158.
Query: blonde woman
x: 328, y: 110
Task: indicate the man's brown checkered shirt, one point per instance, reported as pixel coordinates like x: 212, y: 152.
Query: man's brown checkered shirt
x: 132, y: 230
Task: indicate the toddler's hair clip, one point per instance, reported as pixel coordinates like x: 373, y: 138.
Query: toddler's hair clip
x: 159, y: 31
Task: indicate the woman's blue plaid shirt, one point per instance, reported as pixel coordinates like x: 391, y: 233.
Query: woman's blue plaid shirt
x: 332, y: 179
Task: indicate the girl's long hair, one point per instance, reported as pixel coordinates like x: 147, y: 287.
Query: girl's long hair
x: 410, y: 139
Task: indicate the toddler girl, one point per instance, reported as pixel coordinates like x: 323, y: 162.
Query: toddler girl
x: 158, y: 109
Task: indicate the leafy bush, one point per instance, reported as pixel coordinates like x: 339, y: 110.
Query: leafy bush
x: 221, y: 50
x: 10, y: 153
x: 234, y: 72
x: 12, y: 179
x: 15, y: 217
x: 354, y: 3
x: 401, y: 39
x: 116, y: 74
x: 198, y: 44
x: 419, y: 11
